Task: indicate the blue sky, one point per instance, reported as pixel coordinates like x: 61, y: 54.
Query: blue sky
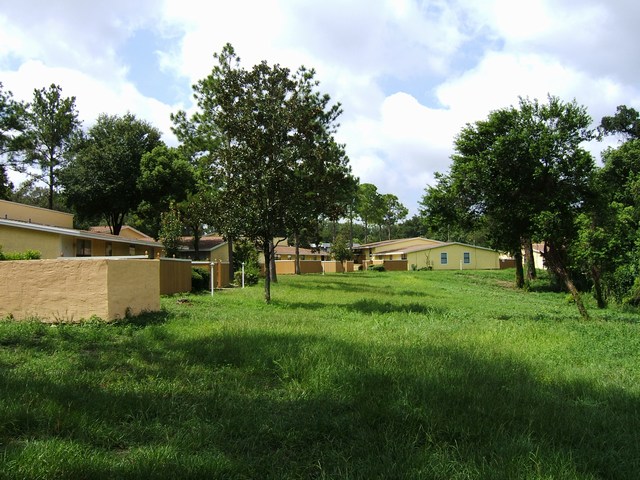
x: 408, y: 73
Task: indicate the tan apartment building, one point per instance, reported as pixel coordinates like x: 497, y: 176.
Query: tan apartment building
x: 24, y: 227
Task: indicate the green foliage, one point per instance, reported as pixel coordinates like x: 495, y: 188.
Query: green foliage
x: 625, y: 122
x: 523, y: 173
x: 394, y: 212
x: 102, y: 178
x: 51, y: 123
x: 370, y: 207
x: 166, y: 176
x: 244, y: 251
x: 200, y: 279
x: 251, y: 275
x: 264, y: 136
x: 11, y: 123
x: 376, y: 268
x: 340, y: 250
x: 26, y: 255
x: 6, y: 187
x: 170, y: 231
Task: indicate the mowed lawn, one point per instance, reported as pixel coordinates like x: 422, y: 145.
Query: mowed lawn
x: 447, y: 375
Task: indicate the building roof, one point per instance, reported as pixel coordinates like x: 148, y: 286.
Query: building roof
x: 126, y: 231
x: 394, y: 241
x: 291, y: 250
x: 206, y: 243
x: 419, y: 248
x: 70, y: 232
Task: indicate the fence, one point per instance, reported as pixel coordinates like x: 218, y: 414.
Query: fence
x: 175, y: 276
x: 219, y: 272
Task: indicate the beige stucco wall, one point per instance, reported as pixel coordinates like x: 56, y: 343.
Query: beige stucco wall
x: 134, y: 287
x: 18, y: 240
x: 75, y: 289
x: 480, y: 258
x: 27, y: 213
x: 288, y: 267
x: 220, y: 252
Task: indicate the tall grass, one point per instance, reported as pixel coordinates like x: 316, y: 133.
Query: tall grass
x: 370, y: 375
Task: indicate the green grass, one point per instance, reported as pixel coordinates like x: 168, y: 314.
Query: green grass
x: 368, y: 375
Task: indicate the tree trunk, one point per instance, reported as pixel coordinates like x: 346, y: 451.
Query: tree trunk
x: 296, y: 239
x: 351, y: 231
x: 273, y: 275
x: 196, y: 242
x: 597, y: 287
x: 553, y: 260
x: 529, y: 260
x: 266, y: 251
x: 519, y: 270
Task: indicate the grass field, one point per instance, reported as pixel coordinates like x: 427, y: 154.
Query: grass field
x: 447, y: 375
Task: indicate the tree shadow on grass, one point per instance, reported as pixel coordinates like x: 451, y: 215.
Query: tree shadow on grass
x: 263, y: 405
x: 338, y: 285
x: 374, y: 306
x: 143, y: 319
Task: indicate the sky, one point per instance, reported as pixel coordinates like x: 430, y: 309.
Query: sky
x: 409, y: 74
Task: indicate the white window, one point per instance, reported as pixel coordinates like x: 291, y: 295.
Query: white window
x: 467, y: 257
x: 443, y: 258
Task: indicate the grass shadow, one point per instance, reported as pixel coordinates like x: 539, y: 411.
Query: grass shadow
x: 143, y: 319
x: 370, y: 306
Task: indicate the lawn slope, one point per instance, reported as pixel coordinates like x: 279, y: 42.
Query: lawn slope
x: 367, y: 375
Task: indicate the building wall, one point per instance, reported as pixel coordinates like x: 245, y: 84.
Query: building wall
x: 395, y: 245
x: 74, y: 289
x: 404, y: 243
x: 220, y: 252
x: 27, y: 213
x: 480, y: 259
x: 288, y: 267
x: 18, y: 240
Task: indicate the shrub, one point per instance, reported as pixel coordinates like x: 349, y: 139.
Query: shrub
x: 200, y: 279
x: 376, y: 268
x: 26, y: 255
x: 251, y: 276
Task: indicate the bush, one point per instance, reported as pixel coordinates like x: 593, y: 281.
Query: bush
x: 633, y: 297
x: 200, y: 279
x: 251, y: 276
x: 376, y: 268
x: 26, y: 255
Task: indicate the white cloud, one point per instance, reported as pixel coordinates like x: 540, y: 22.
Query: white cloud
x: 93, y: 96
x: 408, y: 73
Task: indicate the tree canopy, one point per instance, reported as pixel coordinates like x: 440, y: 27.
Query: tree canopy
x: 102, y: 178
x: 524, y: 173
x: 51, y: 121
x: 265, y: 133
